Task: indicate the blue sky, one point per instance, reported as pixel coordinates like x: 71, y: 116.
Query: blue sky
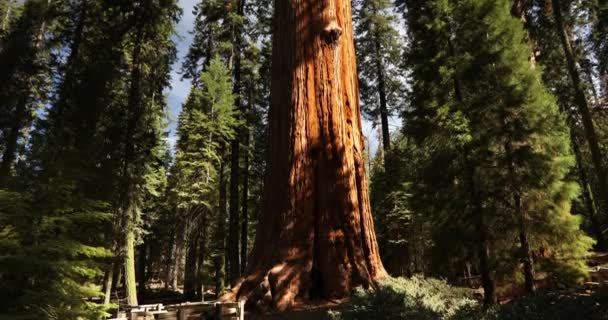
x: 180, y: 89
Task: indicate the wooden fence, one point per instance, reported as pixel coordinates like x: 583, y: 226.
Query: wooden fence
x: 187, y: 311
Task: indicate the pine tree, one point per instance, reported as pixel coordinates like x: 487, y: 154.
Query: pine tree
x: 63, y: 243
x: 24, y: 79
x: 599, y: 37
x: 580, y: 99
x: 379, y: 53
x: 151, y: 52
x: 548, y: 52
x: 207, y: 123
x: 503, y: 129
x: 235, y: 145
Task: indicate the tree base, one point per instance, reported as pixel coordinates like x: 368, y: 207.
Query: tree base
x: 285, y: 287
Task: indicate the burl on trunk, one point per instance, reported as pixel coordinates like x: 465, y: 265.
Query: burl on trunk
x: 316, y: 236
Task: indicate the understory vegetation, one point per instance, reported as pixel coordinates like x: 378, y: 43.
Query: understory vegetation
x: 431, y: 299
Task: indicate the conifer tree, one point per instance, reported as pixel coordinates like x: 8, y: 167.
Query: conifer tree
x: 599, y: 38
x: 151, y: 52
x: 67, y: 219
x: 207, y: 123
x: 7, y: 14
x: 24, y: 78
x: 379, y: 53
x: 503, y: 129
x: 582, y: 103
x: 548, y: 52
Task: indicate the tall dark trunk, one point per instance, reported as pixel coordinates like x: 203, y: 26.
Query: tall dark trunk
x: 10, y: 149
x: 481, y: 229
x: 20, y: 115
x: 176, y: 265
x: 316, y: 211
x: 234, y: 269
x: 190, y: 268
x: 169, y: 259
x: 483, y: 244
x: 386, y: 136
x: 596, y: 224
x: 526, y: 253
x: 582, y: 104
x: 202, y: 254
x: 128, y: 201
x: 525, y: 248
x: 518, y: 206
x: 67, y: 88
x: 233, y: 224
x: 220, y: 237
x: 245, y: 202
x: 142, y: 262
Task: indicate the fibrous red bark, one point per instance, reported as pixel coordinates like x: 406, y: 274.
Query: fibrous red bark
x: 316, y: 237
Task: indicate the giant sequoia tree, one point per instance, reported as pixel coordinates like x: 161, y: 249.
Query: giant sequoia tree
x: 316, y: 209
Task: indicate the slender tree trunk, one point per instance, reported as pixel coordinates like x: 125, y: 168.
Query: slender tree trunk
x: 202, y: 254
x: 526, y: 253
x: 108, y: 280
x: 220, y: 238
x: 10, y: 150
x: 66, y: 89
x: 131, y: 168
x: 141, y: 266
x: 233, y: 255
x: 525, y: 248
x: 588, y: 194
x: 386, y: 136
x: 582, y: 104
x: 117, y: 272
x: 190, y: 268
x: 176, y: 264
x: 169, y: 261
x: 316, y: 212
x: 245, y: 202
x: 481, y: 229
x: 233, y: 225
x: 129, y: 265
x: 483, y: 244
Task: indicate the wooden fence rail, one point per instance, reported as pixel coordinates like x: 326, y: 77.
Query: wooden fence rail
x: 186, y: 311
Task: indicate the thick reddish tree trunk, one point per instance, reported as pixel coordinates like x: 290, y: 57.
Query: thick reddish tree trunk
x: 316, y: 237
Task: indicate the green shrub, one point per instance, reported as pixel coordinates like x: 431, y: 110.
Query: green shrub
x: 416, y: 298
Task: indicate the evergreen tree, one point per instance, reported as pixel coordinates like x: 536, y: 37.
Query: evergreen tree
x: 581, y: 102
x: 7, y: 14
x: 549, y: 53
x: 507, y: 145
x: 207, y: 123
x: 24, y: 79
x: 379, y: 53
x: 599, y: 38
x: 151, y: 53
